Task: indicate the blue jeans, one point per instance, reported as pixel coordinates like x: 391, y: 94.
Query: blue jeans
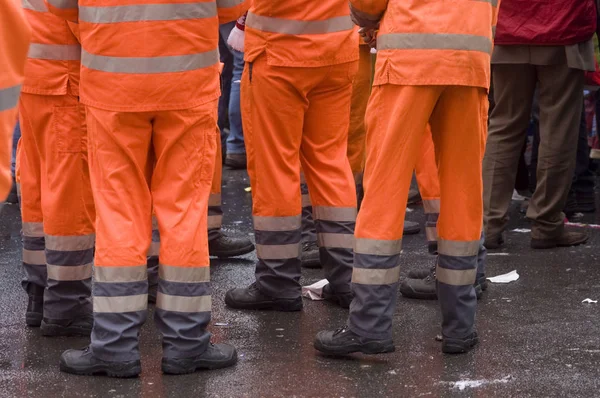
x: 226, y: 75
x: 16, y: 136
x: 235, y: 141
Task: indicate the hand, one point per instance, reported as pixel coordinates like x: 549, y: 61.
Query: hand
x: 369, y: 36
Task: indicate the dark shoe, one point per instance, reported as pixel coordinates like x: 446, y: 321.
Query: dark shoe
x: 35, y: 311
x: 310, y: 255
x: 83, y: 362
x: 80, y: 326
x: 566, y: 239
x: 341, y: 299
x: 343, y: 341
x: 414, y: 197
x: 493, y: 242
x: 13, y: 196
x: 459, y: 346
x: 425, y: 288
x: 152, y: 293
x: 216, y: 356
x: 411, y: 228
x: 225, y: 246
x: 250, y: 298
x: 236, y: 161
x: 432, y: 247
x: 420, y: 273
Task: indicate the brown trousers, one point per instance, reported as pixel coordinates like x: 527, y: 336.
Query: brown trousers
x: 560, y: 100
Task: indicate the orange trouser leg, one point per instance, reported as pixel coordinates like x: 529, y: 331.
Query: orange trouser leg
x: 310, y: 125
x: 184, y: 142
x: 55, y: 149
x: 396, y: 128
x: 429, y: 185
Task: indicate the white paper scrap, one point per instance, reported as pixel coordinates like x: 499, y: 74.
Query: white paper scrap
x: 314, y: 291
x: 590, y: 301
x: 505, y: 278
x: 522, y: 230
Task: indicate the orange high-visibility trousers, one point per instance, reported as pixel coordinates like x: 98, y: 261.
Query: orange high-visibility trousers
x: 184, y: 144
x: 426, y: 172
x: 56, y: 203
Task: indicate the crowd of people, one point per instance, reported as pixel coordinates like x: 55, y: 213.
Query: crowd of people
x: 127, y: 114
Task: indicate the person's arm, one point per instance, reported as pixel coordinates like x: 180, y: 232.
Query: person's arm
x: 231, y: 10
x: 367, y: 13
x: 66, y: 9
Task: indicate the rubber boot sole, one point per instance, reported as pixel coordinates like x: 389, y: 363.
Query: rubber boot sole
x: 52, y: 330
x: 311, y: 263
x: 234, y: 253
x: 279, y: 305
x: 182, y: 367
x: 370, y: 348
x: 479, y: 289
x: 551, y: 244
x: 33, y: 319
x: 119, y: 370
x: 458, y: 347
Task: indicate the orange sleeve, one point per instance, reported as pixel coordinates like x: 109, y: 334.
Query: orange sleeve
x: 231, y: 10
x: 65, y: 9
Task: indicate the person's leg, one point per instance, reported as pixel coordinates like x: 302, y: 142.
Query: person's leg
x: 561, y: 99
x: 513, y: 90
x: 226, y: 58
x: 235, y: 140
x: 16, y: 137
x: 535, y: 144
x: 310, y: 250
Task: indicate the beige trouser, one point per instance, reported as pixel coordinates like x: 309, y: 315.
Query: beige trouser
x: 560, y: 100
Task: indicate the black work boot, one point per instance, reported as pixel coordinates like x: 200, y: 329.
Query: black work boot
x: 83, y: 362
x: 13, y: 196
x: 79, y: 326
x: 425, y: 288
x: 565, y: 239
x: 35, y: 309
x: 251, y: 298
x: 341, y: 299
x: 459, y: 346
x: 419, y: 273
x: 152, y: 293
x: 225, y: 246
x: 216, y: 356
x: 343, y: 341
x: 414, y: 197
x: 236, y: 161
x: 493, y: 242
x: 411, y: 228
x: 310, y: 255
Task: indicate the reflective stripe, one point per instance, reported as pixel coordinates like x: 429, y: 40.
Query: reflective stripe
x: 120, y: 304
x: 458, y: 248
x: 184, y: 274
x: 70, y: 243
x: 431, y: 233
x: 434, y: 41
x: 431, y: 205
x: 306, y: 200
x: 145, y: 65
x: 366, y: 276
x: 33, y: 229
x: 9, y: 97
x: 64, y: 4
x: 214, y: 199
x: 215, y: 222
x: 34, y: 257
x: 295, y: 27
x: 493, y: 3
x: 302, y: 176
x: 345, y: 241
x: 277, y: 252
x: 154, y: 249
x: 378, y: 247
x: 55, y: 52
x: 35, y: 5
x: 456, y: 277
x: 120, y: 274
x: 183, y: 303
x: 229, y: 3
x: 147, y: 12
x: 76, y: 273
x: 334, y: 213
x: 494, y: 31
x: 290, y: 223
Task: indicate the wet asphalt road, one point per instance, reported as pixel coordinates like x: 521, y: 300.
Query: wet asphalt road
x: 538, y: 339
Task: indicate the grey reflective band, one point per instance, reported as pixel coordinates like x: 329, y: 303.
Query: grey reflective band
x: 154, y: 223
x: 295, y: 27
x: 214, y: 199
x: 306, y: 200
x: 105, y: 274
x: 493, y: 31
x: 55, y: 52
x: 379, y: 276
x: 33, y: 229
x: 431, y: 233
x: 120, y: 304
x: 215, y: 222
x: 9, y: 98
x: 147, y: 65
x: 154, y: 249
x: 493, y: 3
x: 34, y: 257
x: 34, y: 5
x: 277, y: 252
x: 434, y: 41
x: 184, y: 274
x: 431, y: 205
x: 456, y: 277
x: 378, y: 247
x: 344, y: 241
x: 334, y: 213
x: 70, y: 273
x: 182, y: 303
x: 70, y: 243
x: 458, y: 248
x: 229, y: 3
x: 64, y: 4
x: 290, y: 223
x: 147, y: 12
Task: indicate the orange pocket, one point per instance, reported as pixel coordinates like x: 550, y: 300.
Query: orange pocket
x: 66, y: 129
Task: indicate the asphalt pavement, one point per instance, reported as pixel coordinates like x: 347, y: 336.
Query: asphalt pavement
x: 537, y: 337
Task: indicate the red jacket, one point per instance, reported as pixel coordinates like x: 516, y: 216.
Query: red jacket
x: 545, y: 22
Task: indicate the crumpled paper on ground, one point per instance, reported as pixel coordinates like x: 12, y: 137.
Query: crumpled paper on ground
x: 314, y: 291
x: 590, y: 301
x: 505, y: 278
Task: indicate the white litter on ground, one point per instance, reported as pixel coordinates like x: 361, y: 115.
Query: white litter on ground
x: 463, y: 384
x: 589, y: 301
x: 521, y: 230
x: 497, y: 254
x: 314, y: 291
x: 505, y: 278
